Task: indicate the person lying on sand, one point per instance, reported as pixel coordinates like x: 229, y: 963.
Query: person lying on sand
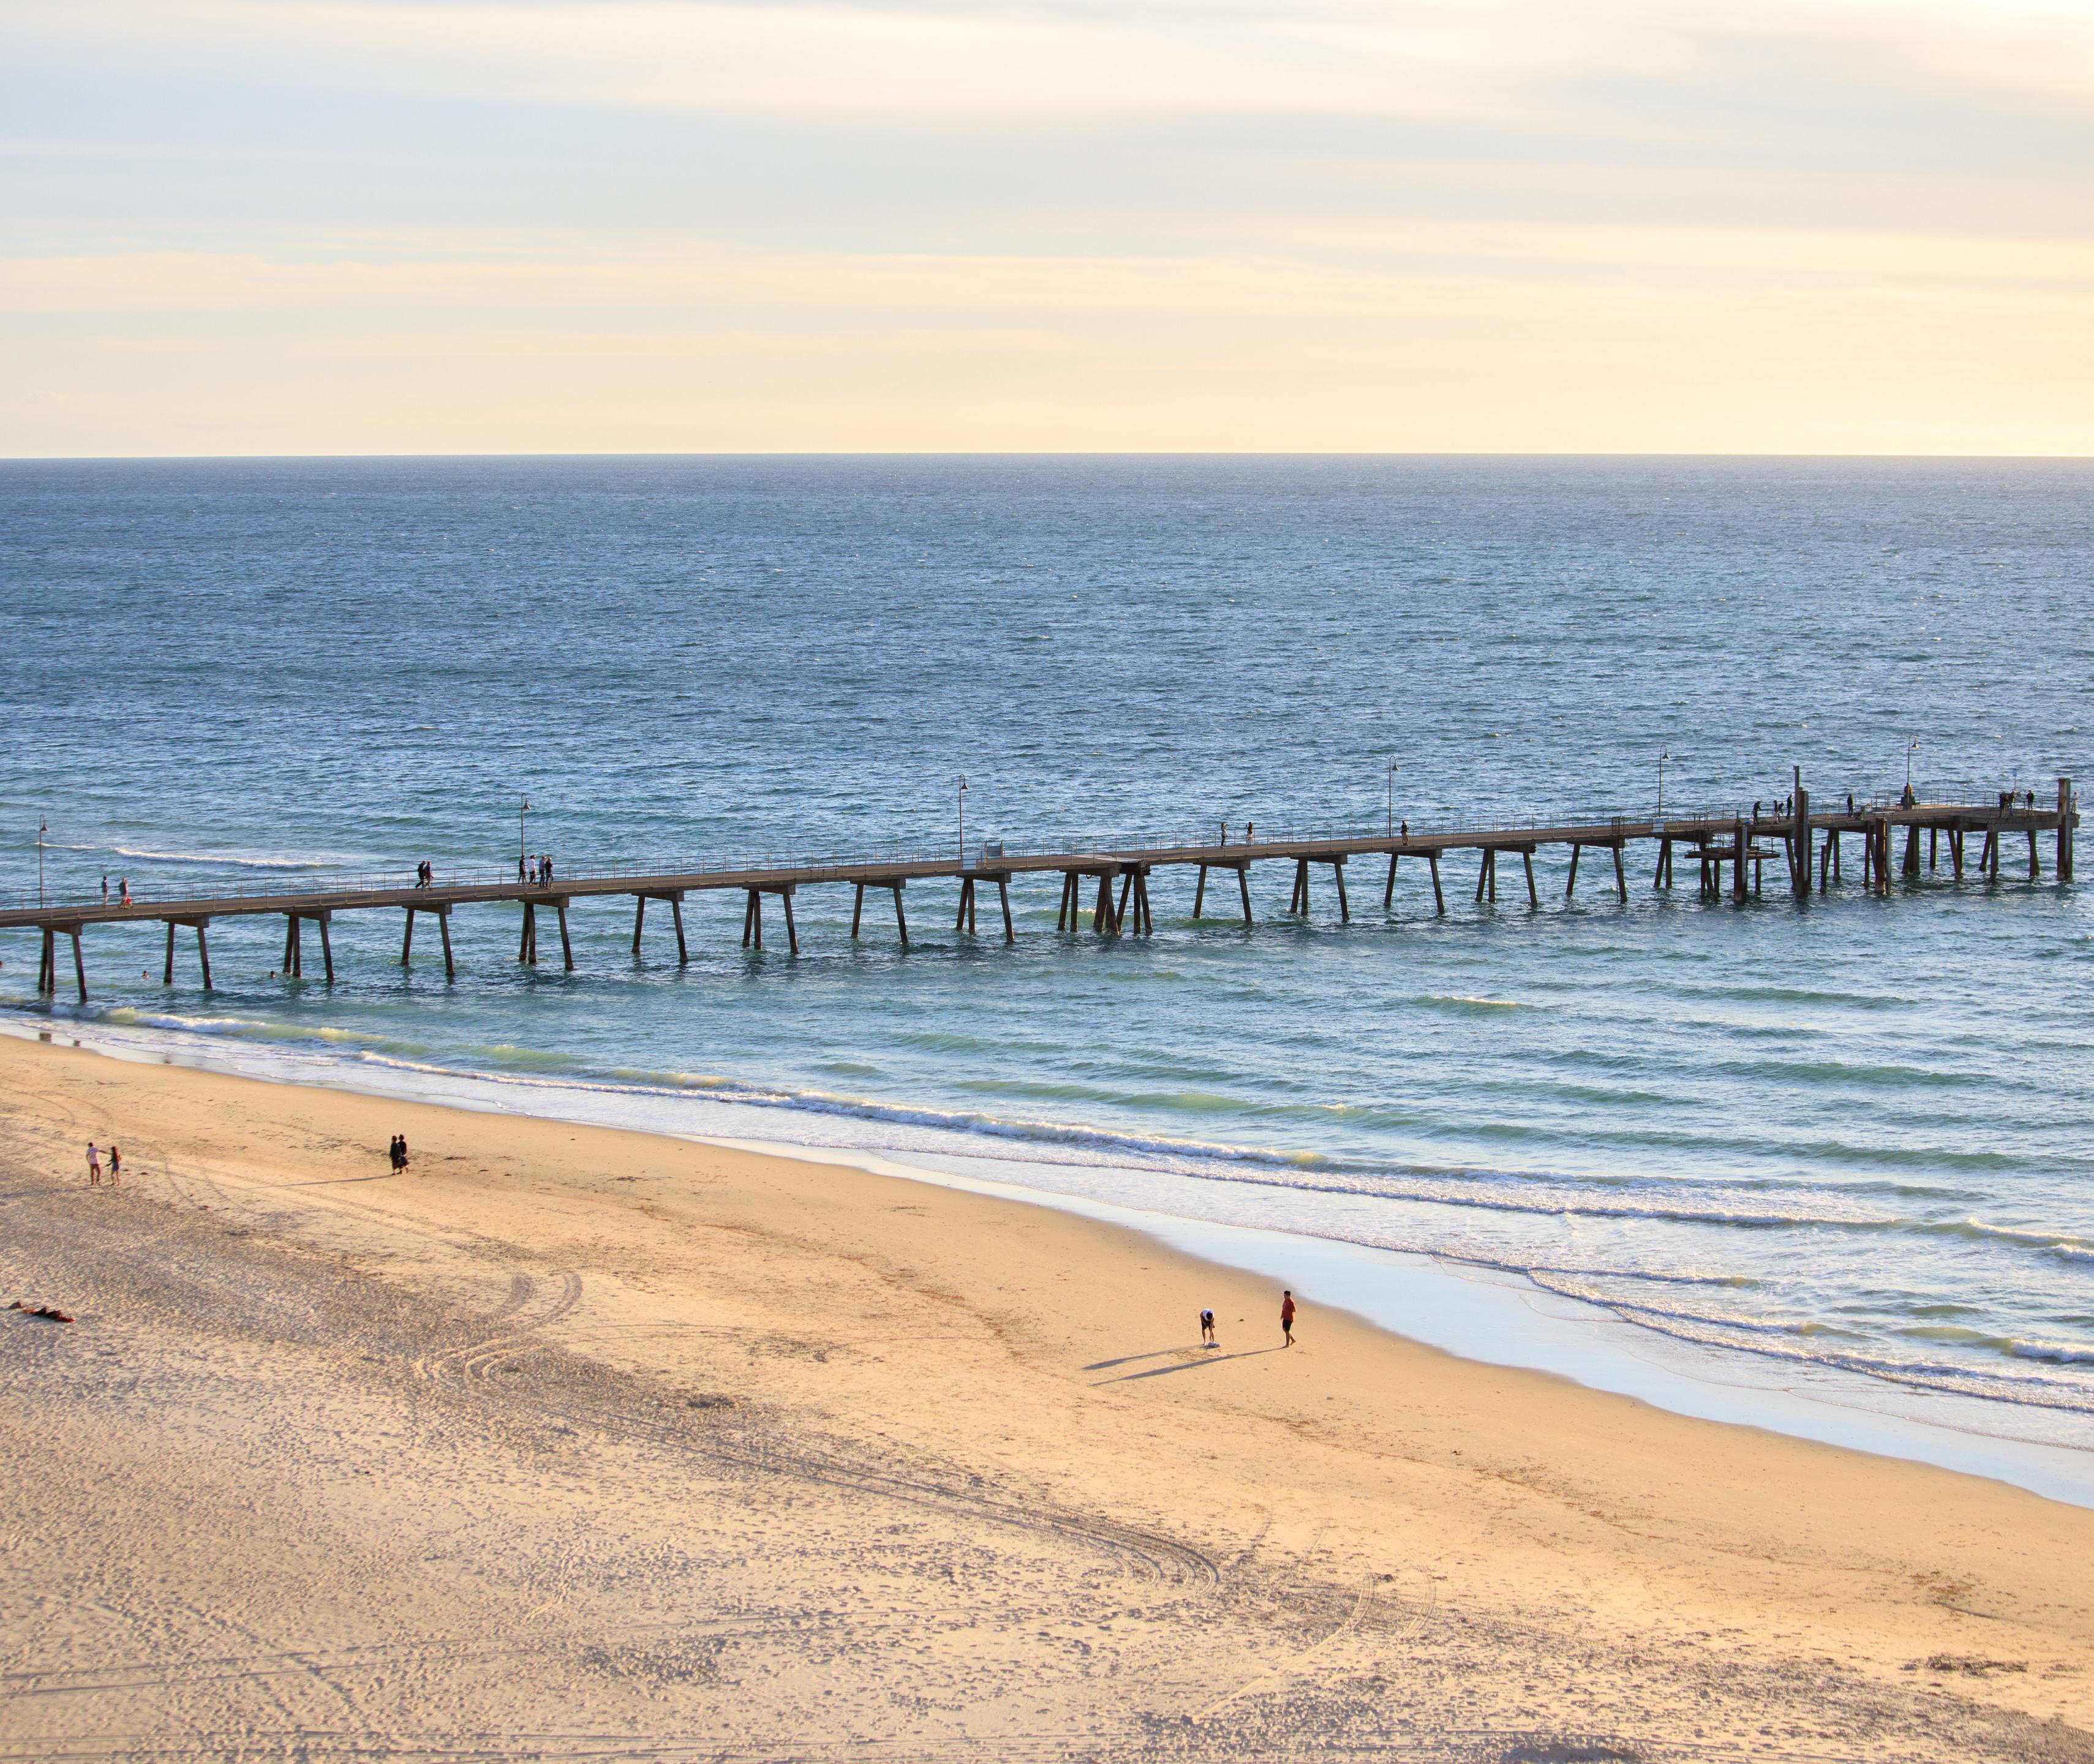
x: 50, y: 1313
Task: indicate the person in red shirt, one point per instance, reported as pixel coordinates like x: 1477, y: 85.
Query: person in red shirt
x: 1287, y: 1318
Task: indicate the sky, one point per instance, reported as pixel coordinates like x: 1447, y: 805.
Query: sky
x: 259, y: 227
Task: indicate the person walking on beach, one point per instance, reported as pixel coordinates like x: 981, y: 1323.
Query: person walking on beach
x: 93, y: 1165
x: 1207, y: 1329
x: 116, y: 1166
x: 1287, y: 1319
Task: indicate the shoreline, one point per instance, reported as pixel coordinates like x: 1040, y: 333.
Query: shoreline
x: 662, y: 1416
x: 1505, y: 1319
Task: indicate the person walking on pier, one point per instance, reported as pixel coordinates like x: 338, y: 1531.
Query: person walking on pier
x: 123, y: 891
x: 1225, y: 832
x: 105, y: 891
x: 520, y: 877
x: 1287, y: 1319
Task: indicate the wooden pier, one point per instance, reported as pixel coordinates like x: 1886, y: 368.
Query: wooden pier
x: 1808, y: 846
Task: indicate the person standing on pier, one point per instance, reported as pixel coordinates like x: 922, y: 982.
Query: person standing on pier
x: 123, y: 891
x: 105, y: 891
x: 521, y: 877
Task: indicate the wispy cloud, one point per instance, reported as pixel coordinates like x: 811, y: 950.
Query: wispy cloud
x: 374, y: 223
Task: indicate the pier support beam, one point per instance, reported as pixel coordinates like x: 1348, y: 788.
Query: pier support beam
x: 1533, y: 899
x: 674, y: 897
x: 1438, y: 900
x: 203, y: 951
x: 1243, y: 887
x: 566, y: 948
x: 47, y: 970
x: 1744, y: 842
x: 2065, y: 814
x: 1003, y: 896
x: 526, y: 940
x: 1621, y: 877
x: 964, y: 920
x: 442, y: 916
x: 1799, y: 853
x: 858, y: 908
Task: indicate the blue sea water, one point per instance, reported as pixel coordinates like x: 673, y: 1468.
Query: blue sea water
x: 1849, y: 1136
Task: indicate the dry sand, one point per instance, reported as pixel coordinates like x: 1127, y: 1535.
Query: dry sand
x: 575, y: 1444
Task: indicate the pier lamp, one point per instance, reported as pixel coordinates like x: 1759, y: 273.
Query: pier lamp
x: 1662, y: 756
x: 43, y: 826
x: 963, y: 820
x: 1391, y: 799
x: 520, y: 844
x: 1912, y: 748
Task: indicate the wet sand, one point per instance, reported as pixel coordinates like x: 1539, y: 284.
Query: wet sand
x: 571, y: 1443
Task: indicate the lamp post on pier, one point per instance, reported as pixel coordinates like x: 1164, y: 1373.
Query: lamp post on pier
x: 524, y: 809
x: 1662, y: 756
x: 1391, y: 799
x: 963, y: 820
x: 43, y: 826
x: 1912, y: 748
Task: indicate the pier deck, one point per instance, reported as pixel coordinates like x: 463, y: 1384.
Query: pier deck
x: 1808, y: 846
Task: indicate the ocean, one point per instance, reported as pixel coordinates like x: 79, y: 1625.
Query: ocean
x: 1841, y: 1145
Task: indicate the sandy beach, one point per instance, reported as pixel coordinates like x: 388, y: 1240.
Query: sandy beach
x: 570, y: 1443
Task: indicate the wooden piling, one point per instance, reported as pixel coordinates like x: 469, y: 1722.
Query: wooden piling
x: 1912, y: 850
x: 79, y: 966
x: 1199, y: 892
x: 858, y: 910
x: 407, y: 939
x: 639, y: 919
x: 1003, y: 895
x: 1621, y: 877
x: 168, y: 975
x: 752, y: 922
x: 204, y: 954
x: 2035, y: 868
x: 792, y: 930
x: 443, y: 930
x: 1243, y: 887
x: 1799, y: 839
x: 1344, y: 906
x: 2064, y: 813
x: 1744, y: 841
x: 1388, y: 891
x: 1571, y: 881
x: 47, y: 965
x: 1533, y: 899
x: 327, y: 949
x: 527, y: 941
x: 1438, y: 900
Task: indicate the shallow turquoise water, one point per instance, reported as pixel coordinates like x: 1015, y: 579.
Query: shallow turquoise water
x: 1852, y: 1133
